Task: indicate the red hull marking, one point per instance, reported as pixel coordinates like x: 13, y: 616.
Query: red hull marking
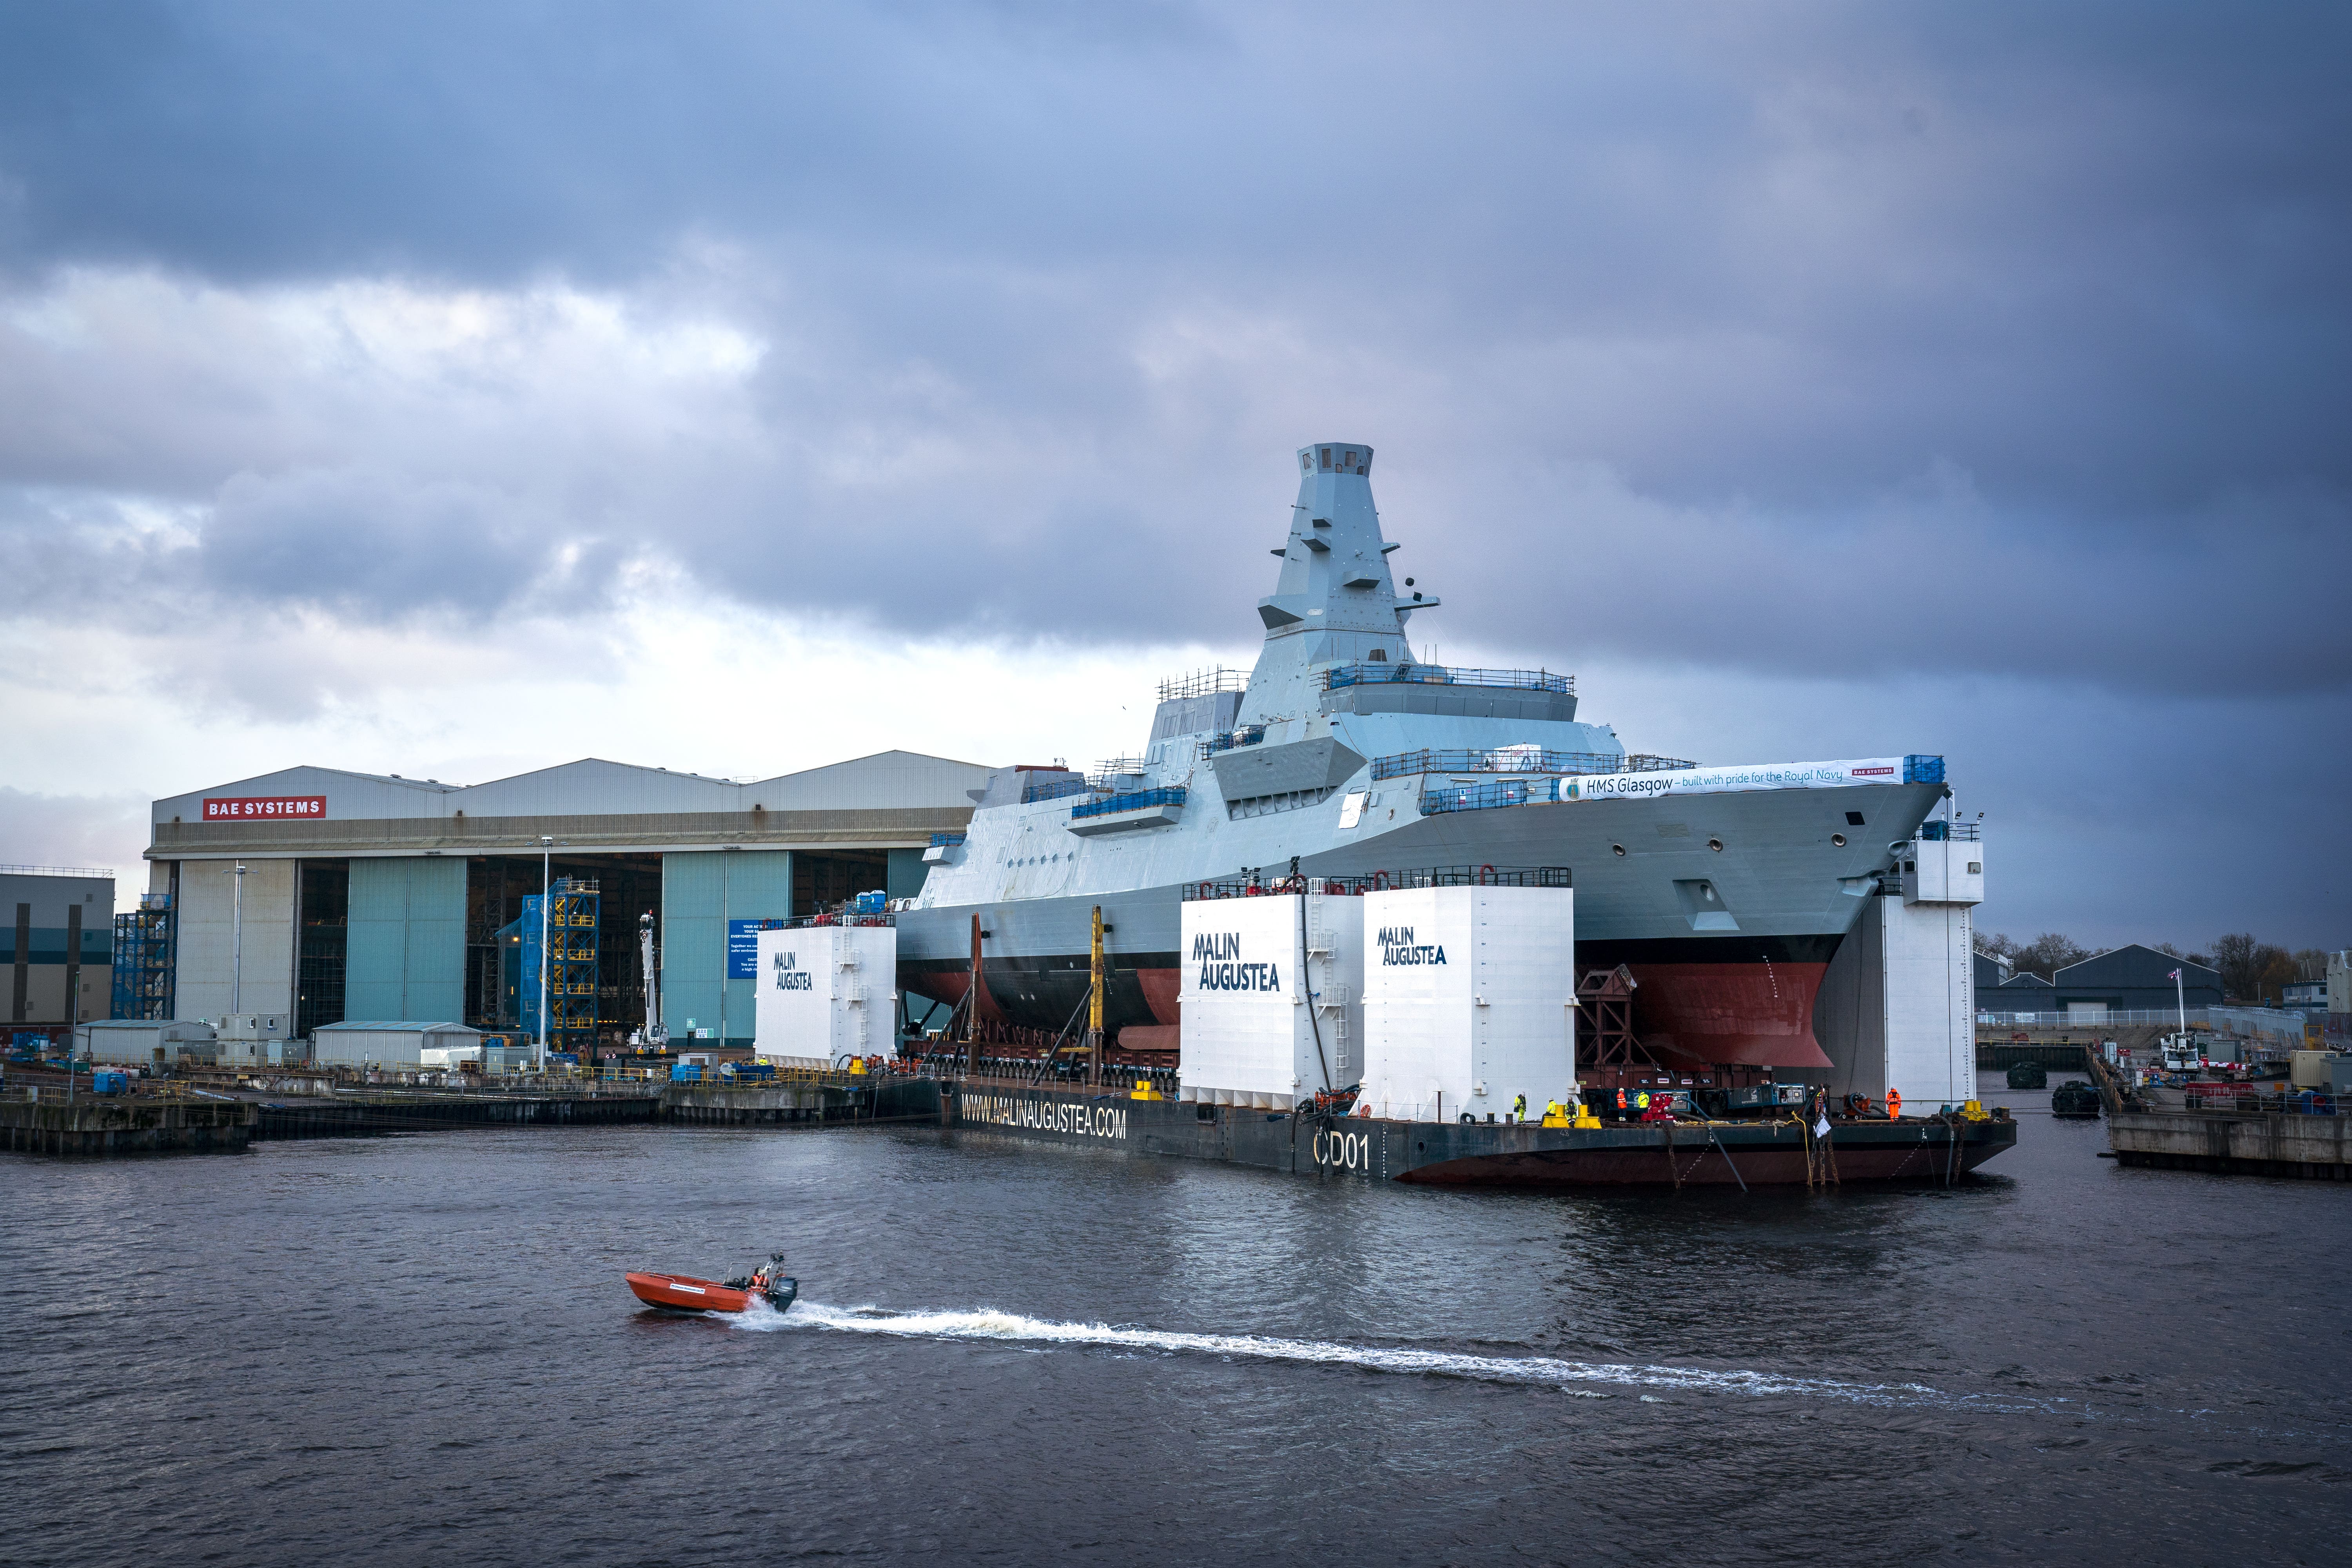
x: 1757, y: 1015
x: 1162, y: 988
x: 1165, y: 1037
x: 949, y: 985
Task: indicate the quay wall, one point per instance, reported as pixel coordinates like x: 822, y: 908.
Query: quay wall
x: 2264, y: 1143
x: 2233, y: 1143
x: 350, y: 1116
x: 89, y: 1125
x: 785, y: 1104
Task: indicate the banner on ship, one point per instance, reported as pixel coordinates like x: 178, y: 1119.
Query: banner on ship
x: 1841, y: 775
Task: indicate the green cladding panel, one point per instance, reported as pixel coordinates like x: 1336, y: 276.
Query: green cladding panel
x: 905, y: 878
x: 700, y: 893
x: 406, y: 957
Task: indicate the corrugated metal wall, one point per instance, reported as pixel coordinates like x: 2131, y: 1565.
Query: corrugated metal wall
x: 406, y: 952
x: 700, y: 892
x: 205, y: 921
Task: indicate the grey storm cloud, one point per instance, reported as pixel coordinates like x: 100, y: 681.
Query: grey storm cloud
x: 2012, y: 335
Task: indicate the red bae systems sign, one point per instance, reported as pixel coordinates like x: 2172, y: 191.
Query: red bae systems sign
x: 225, y: 808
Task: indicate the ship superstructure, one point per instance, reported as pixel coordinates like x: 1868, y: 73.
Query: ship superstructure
x: 1724, y: 890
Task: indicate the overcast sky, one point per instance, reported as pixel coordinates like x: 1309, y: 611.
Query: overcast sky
x: 452, y: 390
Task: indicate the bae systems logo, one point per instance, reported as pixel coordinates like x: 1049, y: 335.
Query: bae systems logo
x: 1871, y: 773
x: 790, y: 975
x: 225, y: 808
x: 1397, y: 946
x: 1219, y: 954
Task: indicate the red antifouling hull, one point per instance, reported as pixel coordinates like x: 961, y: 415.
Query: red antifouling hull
x: 949, y: 985
x: 1754, y: 1015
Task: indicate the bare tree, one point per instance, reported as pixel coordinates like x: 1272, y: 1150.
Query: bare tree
x: 2277, y: 972
x: 2252, y: 969
x: 2234, y: 956
x: 2048, y: 954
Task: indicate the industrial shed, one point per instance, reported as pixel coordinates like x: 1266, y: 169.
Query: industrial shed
x: 333, y: 894
x: 2134, y: 979
x: 137, y: 1042
x: 388, y: 1045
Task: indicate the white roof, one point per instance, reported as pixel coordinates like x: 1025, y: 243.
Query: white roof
x: 595, y: 788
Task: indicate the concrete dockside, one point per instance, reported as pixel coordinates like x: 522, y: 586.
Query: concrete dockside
x: 789, y: 1104
x: 141, y: 1123
x: 359, y: 1115
x: 93, y: 1125
x: 2245, y: 1143
x: 2261, y: 1143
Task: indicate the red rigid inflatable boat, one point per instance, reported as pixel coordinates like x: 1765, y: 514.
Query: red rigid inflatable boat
x: 685, y: 1293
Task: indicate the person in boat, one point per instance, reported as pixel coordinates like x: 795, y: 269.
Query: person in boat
x: 762, y: 1278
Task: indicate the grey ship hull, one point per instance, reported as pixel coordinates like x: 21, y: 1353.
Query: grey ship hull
x: 1793, y: 892
x: 1323, y: 759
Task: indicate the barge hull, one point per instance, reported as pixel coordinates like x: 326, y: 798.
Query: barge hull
x: 1483, y: 1154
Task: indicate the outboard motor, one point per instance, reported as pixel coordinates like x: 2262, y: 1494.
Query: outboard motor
x: 772, y: 1283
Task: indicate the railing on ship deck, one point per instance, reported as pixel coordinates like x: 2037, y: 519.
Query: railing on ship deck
x: 1341, y: 674
x: 1247, y: 735
x: 1386, y: 881
x: 2196, y: 1019
x: 1137, y: 801
x: 1486, y: 797
x: 1521, y: 759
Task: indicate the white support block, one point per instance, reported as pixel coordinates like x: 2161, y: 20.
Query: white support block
x: 1897, y: 1007
x: 1930, y: 980
x: 814, y: 1008
x: 1254, y: 1034
x: 1468, y: 1001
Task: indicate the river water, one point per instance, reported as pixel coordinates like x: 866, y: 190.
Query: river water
x: 420, y: 1349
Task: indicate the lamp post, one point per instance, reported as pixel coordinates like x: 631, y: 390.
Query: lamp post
x: 726, y: 944
x: 546, y: 862
x: 236, y: 944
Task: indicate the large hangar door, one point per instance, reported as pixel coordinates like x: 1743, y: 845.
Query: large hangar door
x: 207, y: 924
x: 406, y: 939
x: 702, y: 892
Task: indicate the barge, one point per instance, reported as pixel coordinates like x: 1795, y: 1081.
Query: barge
x: 1784, y: 1151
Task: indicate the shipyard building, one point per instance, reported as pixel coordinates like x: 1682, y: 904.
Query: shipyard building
x: 61, y: 944
x: 332, y: 897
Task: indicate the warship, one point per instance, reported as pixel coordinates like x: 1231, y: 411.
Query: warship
x: 1722, y: 891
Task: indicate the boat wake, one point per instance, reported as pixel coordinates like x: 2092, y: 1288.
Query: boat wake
x: 1576, y: 1378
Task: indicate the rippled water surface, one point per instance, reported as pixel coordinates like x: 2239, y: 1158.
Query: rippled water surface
x: 420, y: 1349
